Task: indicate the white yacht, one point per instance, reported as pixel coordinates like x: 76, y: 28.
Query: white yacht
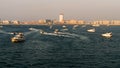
x: 91, y: 30
x: 107, y: 35
x: 18, y: 38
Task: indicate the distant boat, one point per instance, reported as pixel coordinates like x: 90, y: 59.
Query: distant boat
x: 56, y: 31
x: 107, y: 35
x: 91, y: 30
x: 18, y: 38
x: 64, y: 26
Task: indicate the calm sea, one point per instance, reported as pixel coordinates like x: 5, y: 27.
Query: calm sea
x: 77, y: 48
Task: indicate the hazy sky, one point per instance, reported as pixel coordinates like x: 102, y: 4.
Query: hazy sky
x: 50, y: 9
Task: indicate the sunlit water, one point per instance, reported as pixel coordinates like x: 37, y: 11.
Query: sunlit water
x: 76, y: 49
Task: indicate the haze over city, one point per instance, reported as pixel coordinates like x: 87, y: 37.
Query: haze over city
x: 26, y: 10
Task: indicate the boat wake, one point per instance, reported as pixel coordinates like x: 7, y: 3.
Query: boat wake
x: 4, y: 32
x: 56, y: 33
x: 66, y: 34
x: 25, y: 33
x: 30, y: 32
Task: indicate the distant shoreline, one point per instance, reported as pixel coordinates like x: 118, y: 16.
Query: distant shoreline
x: 56, y: 24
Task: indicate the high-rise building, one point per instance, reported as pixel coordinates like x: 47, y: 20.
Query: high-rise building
x: 61, y: 18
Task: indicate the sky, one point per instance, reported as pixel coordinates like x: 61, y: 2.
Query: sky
x: 27, y: 10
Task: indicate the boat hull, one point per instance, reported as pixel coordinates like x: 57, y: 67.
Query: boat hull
x: 17, y: 40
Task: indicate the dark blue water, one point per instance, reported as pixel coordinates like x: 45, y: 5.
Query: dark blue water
x: 80, y: 50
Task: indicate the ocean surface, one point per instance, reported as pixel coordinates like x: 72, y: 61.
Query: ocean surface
x: 74, y: 48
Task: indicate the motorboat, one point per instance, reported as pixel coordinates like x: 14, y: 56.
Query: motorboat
x: 107, y: 35
x: 18, y: 38
x: 91, y: 30
x: 64, y: 26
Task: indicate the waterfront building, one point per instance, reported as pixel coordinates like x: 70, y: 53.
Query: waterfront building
x: 81, y: 22
x: 104, y: 22
x: 42, y: 21
x: 72, y: 21
x: 115, y: 22
x: 15, y: 22
x: 6, y: 22
x: 61, y: 18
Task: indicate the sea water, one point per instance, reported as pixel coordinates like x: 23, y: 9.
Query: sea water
x: 76, y: 49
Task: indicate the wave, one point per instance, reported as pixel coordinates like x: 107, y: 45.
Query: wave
x: 66, y: 34
x: 4, y: 32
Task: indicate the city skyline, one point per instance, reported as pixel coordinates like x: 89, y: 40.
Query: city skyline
x: 26, y: 10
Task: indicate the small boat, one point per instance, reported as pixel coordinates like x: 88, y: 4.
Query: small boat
x: 107, y: 35
x: 64, y: 26
x: 91, y: 30
x: 18, y: 38
x: 56, y: 31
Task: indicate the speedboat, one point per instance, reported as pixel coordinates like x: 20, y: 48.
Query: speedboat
x: 91, y: 30
x: 107, y: 35
x: 18, y: 38
x: 64, y: 26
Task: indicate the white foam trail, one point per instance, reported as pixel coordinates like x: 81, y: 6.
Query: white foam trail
x: 66, y: 34
x: 56, y: 34
x: 82, y: 37
x: 4, y: 32
x: 27, y: 33
x: 75, y: 26
x: 33, y: 29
